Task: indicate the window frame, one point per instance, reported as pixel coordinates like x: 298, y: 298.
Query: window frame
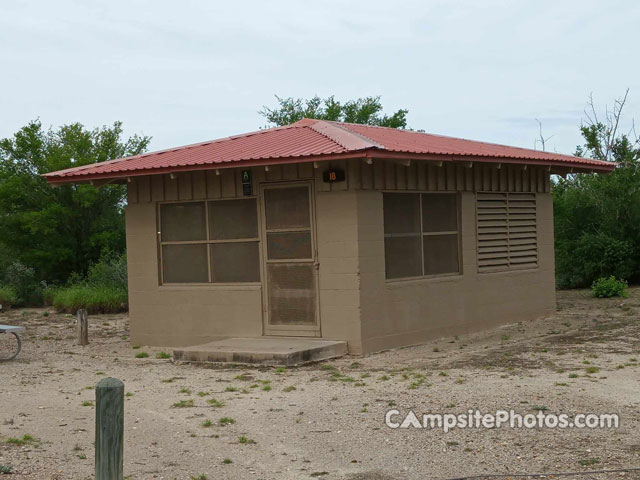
x: 422, y: 234
x: 206, y: 242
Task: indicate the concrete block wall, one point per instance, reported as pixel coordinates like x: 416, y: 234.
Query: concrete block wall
x: 180, y: 315
x: 397, y: 313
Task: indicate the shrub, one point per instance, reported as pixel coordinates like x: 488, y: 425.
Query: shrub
x: 7, y: 296
x: 110, y: 271
x: 93, y: 299
x: 606, y: 287
x: 22, y: 280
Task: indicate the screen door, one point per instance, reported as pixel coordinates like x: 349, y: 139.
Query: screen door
x: 289, y: 260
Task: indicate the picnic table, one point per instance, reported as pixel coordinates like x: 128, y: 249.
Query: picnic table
x: 10, y: 347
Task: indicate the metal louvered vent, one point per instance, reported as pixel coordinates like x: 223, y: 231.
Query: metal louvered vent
x: 506, y: 229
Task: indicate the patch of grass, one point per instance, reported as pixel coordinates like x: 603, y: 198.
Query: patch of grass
x: 185, y: 390
x: 245, y: 377
x: 266, y: 388
x: 26, y: 439
x: 231, y: 388
x: 319, y: 474
x: 95, y: 299
x: 183, y: 404
x: 245, y: 440
x: 202, y: 476
x: 128, y: 394
x: 215, y: 403
x: 288, y: 389
x: 203, y: 394
x: 573, y: 375
x: 280, y: 369
x: 619, y: 367
x: 592, y: 369
x: 384, y: 378
x: 227, y: 461
x: 355, y: 365
x: 452, y: 443
x: 443, y: 374
x: 562, y: 384
x: 589, y: 461
x: 82, y: 456
x: 207, y: 423
x: 6, y: 469
x: 226, y: 421
x: 163, y: 355
x: 142, y: 355
x: 87, y: 403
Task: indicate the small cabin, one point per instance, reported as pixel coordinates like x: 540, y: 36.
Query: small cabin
x: 375, y: 236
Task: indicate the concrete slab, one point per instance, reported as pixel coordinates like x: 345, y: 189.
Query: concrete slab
x: 287, y: 351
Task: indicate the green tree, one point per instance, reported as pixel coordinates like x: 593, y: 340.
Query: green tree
x: 597, y: 217
x: 57, y: 231
x: 366, y: 111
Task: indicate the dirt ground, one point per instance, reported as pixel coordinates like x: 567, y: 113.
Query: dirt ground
x: 327, y: 420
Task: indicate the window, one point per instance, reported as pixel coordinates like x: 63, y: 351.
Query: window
x: 507, y: 237
x: 209, y: 242
x: 421, y: 234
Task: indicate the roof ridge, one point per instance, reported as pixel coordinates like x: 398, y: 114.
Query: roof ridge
x: 343, y: 136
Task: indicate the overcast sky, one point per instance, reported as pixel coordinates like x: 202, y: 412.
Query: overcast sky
x: 188, y: 71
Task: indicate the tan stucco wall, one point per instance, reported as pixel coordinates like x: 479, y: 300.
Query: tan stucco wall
x: 356, y: 303
x: 400, y: 313
x: 179, y: 316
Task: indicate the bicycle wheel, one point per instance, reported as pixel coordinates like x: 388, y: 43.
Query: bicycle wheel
x: 10, y: 345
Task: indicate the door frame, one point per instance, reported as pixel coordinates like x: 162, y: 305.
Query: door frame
x: 289, y: 330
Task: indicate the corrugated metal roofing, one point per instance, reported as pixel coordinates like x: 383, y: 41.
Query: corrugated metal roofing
x: 309, y: 140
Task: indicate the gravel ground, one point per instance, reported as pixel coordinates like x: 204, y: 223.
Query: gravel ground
x: 327, y: 420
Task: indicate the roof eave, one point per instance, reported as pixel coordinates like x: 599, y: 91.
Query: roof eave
x: 556, y: 166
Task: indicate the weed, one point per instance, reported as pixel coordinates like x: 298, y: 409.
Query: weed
x: 384, y: 378
x: 215, y: 403
x: 452, y: 443
x: 227, y: 461
x: 203, y: 394
x: 281, y: 369
x: 87, y: 403
x: 589, y: 461
x: 185, y: 390
x: 328, y: 366
x: 207, y: 423
x: 266, y: 388
x: 226, y: 421
x: 26, y: 439
x: 128, y: 394
x: 142, y: 355
x: 163, y: 355
x: 573, y: 375
x: 183, y: 404
x: 592, y: 369
x: 290, y: 388
x: 202, y: 476
x: 443, y: 374
x: 245, y: 441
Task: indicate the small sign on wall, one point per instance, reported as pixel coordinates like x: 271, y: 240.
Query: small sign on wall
x: 247, y: 184
x: 335, y: 175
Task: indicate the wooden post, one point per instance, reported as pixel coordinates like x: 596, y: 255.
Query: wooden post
x: 109, y: 428
x: 83, y: 327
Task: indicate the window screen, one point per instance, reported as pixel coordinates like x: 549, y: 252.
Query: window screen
x: 506, y: 231
x: 214, y: 241
x: 421, y: 234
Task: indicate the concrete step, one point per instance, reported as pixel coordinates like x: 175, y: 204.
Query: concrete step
x: 286, y: 351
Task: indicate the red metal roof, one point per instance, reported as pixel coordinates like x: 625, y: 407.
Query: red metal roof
x: 316, y: 140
